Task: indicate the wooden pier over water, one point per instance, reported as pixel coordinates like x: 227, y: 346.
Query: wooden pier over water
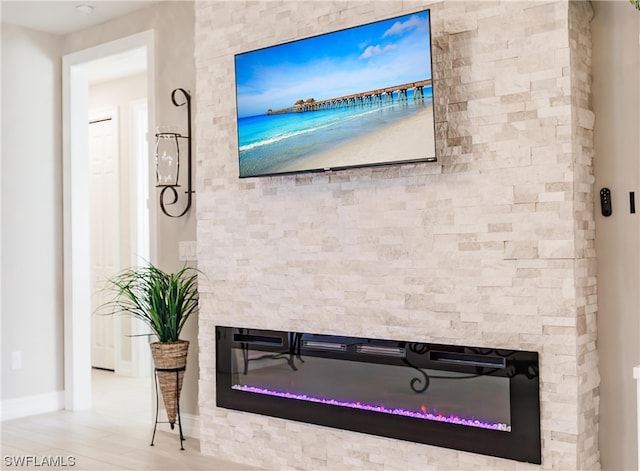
x: 378, y: 96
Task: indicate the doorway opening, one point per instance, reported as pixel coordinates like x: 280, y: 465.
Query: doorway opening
x: 79, y: 72
x: 118, y: 154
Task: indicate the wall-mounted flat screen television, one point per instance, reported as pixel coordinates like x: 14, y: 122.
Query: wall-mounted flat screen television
x: 356, y: 97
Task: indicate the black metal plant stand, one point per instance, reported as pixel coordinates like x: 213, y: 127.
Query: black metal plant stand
x: 179, y: 420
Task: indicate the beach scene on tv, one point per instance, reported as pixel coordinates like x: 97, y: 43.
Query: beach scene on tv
x: 355, y: 97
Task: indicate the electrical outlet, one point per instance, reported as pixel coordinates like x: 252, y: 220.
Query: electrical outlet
x: 16, y: 360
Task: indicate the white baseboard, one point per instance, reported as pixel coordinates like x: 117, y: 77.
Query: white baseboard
x: 32, y: 405
x: 190, y: 424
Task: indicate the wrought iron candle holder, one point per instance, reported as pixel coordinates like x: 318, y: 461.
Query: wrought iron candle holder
x: 168, y: 161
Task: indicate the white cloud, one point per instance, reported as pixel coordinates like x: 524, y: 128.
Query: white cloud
x: 376, y: 50
x: 400, y: 27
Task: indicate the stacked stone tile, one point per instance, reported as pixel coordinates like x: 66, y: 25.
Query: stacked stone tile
x: 492, y: 246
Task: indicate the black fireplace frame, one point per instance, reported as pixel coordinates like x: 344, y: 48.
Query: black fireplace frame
x: 522, y: 443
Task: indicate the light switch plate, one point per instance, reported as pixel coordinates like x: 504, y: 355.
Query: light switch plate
x: 187, y: 251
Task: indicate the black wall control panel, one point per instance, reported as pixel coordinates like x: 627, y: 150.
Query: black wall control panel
x: 605, y: 202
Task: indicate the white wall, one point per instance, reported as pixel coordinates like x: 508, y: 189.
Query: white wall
x: 31, y: 214
x: 616, y: 102
x: 173, y: 22
x: 32, y: 188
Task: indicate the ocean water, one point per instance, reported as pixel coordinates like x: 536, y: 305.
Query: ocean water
x: 268, y: 142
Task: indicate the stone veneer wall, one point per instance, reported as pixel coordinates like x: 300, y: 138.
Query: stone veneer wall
x: 491, y: 246
x: 587, y: 377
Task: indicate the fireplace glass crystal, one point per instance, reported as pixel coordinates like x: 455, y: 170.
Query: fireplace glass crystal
x: 474, y: 400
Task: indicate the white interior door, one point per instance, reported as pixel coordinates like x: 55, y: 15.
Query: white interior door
x: 105, y: 234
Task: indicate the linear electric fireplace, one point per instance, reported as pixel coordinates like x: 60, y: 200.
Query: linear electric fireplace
x: 473, y: 399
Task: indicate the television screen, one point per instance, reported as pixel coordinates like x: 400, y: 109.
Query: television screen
x: 356, y: 97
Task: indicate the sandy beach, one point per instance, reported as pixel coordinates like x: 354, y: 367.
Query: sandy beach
x: 406, y: 139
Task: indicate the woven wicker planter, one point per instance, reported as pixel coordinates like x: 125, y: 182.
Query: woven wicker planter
x: 170, y: 356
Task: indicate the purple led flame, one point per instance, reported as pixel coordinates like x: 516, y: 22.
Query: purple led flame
x: 422, y: 414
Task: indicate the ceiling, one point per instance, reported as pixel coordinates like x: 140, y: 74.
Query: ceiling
x: 116, y: 66
x: 62, y: 17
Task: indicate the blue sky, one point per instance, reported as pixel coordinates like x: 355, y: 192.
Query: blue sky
x: 384, y: 53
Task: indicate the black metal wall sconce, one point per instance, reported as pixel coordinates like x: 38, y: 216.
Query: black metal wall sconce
x: 168, y: 161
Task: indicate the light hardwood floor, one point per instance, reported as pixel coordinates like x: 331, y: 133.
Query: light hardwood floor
x: 113, y: 435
